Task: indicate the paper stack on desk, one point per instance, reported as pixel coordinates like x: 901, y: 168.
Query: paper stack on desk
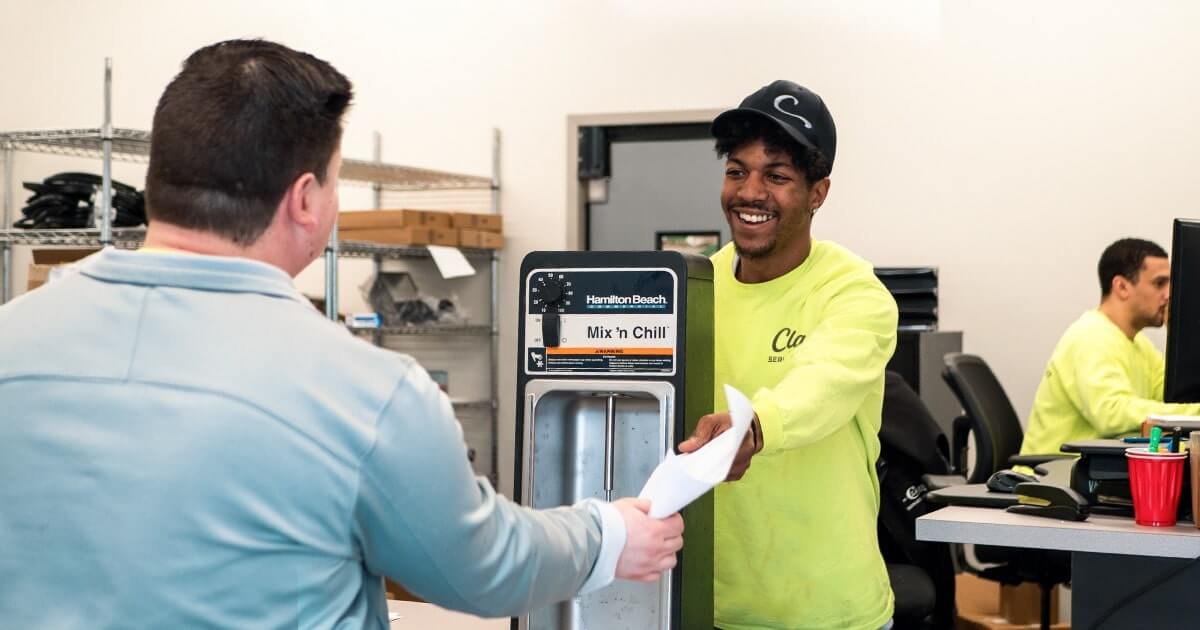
x: 681, y: 479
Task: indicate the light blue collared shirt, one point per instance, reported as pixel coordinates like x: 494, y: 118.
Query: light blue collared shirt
x: 185, y: 441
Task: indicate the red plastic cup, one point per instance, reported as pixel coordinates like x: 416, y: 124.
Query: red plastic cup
x: 1155, y: 480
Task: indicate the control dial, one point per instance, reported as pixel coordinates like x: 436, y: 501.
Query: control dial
x: 551, y: 294
x: 552, y: 291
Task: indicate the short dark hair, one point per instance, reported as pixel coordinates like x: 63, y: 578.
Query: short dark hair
x: 1124, y: 258
x: 239, y: 123
x: 751, y: 128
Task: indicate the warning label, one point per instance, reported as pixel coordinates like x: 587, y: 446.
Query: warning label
x: 640, y: 360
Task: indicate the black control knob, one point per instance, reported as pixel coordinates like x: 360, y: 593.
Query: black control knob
x: 552, y: 291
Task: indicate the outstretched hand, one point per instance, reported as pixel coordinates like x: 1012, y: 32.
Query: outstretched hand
x: 714, y: 424
x: 650, y: 543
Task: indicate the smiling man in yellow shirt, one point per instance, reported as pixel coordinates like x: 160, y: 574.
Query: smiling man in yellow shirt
x: 1104, y: 376
x: 804, y: 328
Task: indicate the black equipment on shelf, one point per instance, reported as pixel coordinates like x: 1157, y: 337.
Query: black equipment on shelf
x: 915, y: 290
x: 67, y: 201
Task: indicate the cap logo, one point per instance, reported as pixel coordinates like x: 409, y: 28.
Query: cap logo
x: 785, y: 97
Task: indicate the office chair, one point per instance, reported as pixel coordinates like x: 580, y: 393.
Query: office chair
x: 921, y: 573
x: 915, y: 598
x: 989, y: 416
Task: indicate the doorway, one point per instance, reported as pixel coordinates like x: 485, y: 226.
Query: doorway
x: 643, y: 182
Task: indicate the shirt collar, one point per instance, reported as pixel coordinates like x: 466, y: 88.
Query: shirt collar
x: 189, y: 271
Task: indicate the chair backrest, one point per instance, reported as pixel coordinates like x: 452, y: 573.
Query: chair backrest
x: 993, y: 421
x: 908, y: 427
x: 912, y: 445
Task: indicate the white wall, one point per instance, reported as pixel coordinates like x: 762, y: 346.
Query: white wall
x: 1006, y: 143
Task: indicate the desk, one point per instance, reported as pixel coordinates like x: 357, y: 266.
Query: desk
x: 1111, y: 558
x: 421, y: 616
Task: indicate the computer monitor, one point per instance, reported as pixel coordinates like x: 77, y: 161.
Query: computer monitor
x: 1183, y: 317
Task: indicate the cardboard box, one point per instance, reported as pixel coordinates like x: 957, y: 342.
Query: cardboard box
x: 396, y: 591
x: 46, y: 260
x: 480, y: 239
x: 438, y: 219
x: 487, y: 222
x: 361, y: 220
x: 370, y: 219
x: 1022, y: 604
x: 390, y: 236
x: 987, y: 605
x: 490, y: 222
x: 444, y: 236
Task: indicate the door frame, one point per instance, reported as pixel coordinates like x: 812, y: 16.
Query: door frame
x: 576, y: 194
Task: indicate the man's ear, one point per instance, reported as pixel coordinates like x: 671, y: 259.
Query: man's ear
x: 299, y: 202
x: 1121, y: 286
x: 817, y: 194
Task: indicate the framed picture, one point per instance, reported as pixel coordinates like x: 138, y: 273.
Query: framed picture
x: 701, y: 243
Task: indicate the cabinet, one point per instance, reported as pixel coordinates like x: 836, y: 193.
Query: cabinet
x: 918, y: 358
x: 478, y: 412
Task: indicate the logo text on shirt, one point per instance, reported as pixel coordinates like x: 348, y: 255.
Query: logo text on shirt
x: 785, y: 339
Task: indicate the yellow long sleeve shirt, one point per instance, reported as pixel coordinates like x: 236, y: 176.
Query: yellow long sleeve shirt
x: 796, y: 543
x: 1098, y: 384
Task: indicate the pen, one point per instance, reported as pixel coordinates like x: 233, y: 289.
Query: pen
x: 1169, y: 442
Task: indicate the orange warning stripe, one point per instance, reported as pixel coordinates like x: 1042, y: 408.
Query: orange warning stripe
x: 652, y: 351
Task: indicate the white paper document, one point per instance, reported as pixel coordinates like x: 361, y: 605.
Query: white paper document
x: 681, y: 479
x: 450, y: 261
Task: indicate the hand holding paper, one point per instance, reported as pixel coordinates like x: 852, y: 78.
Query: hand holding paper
x: 681, y: 479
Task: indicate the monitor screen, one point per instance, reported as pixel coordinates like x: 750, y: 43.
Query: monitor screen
x: 1183, y: 316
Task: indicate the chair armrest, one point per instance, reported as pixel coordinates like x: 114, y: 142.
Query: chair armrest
x: 958, y: 444
x: 937, y: 482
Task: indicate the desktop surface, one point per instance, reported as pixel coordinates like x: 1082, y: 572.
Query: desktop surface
x: 1099, y: 534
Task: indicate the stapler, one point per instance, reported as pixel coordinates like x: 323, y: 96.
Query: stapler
x: 1050, y: 501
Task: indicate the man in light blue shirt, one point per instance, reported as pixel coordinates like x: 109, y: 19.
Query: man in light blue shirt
x: 185, y: 441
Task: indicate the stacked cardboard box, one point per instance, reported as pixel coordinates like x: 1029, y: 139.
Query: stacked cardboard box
x: 397, y: 227
x: 45, y: 261
x: 422, y: 227
x: 479, y: 230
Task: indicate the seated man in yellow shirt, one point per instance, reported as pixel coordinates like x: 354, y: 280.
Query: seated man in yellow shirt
x: 1105, y: 377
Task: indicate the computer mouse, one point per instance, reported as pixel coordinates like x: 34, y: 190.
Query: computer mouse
x: 1043, y: 499
x: 1006, y: 480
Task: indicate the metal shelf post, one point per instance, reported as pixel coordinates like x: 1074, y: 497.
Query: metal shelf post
x: 377, y: 156
x: 106, y: 141
x: 6, y: 248
x: 495, y: 307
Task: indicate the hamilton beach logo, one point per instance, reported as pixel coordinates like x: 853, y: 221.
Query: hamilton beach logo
x: 788, y: 97
x: 611, y: 301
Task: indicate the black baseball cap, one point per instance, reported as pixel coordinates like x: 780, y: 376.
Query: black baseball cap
x: 796, y: 109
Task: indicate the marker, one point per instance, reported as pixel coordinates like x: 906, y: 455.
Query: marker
x: 1177, y: 435
x: 1155, y: 437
